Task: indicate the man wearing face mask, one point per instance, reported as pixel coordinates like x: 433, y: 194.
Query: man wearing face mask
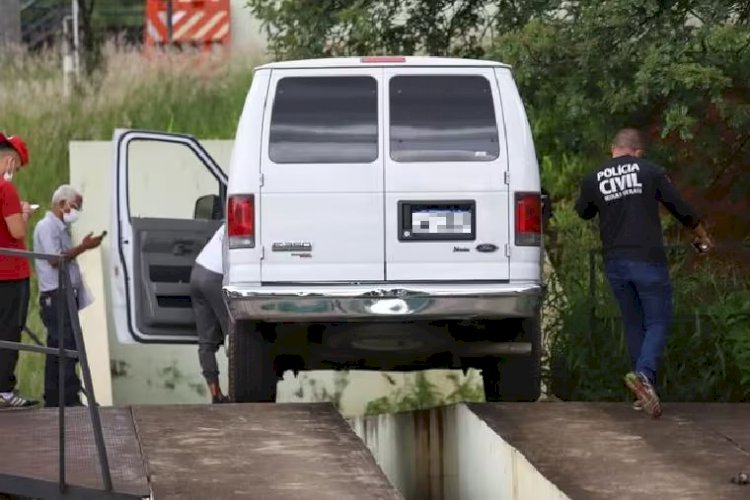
x: 14, y: 271
x: 52, y: 236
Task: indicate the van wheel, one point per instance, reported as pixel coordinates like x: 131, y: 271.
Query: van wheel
x: 252, y: 377
x: 516, y: 378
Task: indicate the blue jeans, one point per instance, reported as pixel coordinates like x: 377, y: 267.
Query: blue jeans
x: 644, y: 293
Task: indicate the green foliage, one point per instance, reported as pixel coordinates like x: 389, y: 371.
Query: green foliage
x: 604, y: 65
x: 420, y: 393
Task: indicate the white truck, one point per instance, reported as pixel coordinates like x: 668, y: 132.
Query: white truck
x: 382, y: 213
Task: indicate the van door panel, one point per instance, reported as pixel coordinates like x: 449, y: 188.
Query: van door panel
x: 445, y: 140
x: 321, y: 200
x: 165, y: 253
x: 158, y: 232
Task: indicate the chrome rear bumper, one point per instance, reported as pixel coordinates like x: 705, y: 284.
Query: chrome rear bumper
x: 386, y: 302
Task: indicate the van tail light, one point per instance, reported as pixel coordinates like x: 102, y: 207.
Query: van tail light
x: 241, y: 221
x: 528, y: 219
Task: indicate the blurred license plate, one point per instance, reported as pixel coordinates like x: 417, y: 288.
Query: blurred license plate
x: 441, y: 222
x: 437, y: 221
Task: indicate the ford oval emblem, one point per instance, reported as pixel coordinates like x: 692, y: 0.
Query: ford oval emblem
x: 487, y: 248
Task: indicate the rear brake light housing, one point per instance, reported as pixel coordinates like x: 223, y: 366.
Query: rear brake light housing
x: 382, y: 59
x: 528, y: 219
x: 241, y: 221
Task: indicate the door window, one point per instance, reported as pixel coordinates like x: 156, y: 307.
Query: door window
x: 167, y: 180
x: 325, y: 120
x: 442, y: 118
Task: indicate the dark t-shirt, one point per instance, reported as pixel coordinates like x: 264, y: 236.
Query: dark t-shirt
x: 626, y: 192
x: 11, y: 268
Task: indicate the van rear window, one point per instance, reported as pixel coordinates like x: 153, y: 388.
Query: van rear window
x: 442, y: 118
x: 325, y: 120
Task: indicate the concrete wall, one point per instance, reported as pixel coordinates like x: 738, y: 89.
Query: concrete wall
x: 450, y: 454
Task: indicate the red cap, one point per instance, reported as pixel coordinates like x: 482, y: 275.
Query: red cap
x: 18, y: 145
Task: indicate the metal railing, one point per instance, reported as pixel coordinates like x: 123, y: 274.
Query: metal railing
x: 67, y: 300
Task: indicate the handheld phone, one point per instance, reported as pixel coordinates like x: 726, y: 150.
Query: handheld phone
x: 699, y: 246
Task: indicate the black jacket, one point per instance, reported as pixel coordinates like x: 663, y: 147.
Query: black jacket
x: 626, y: 192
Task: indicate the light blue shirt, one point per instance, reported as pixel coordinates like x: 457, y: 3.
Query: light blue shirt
x: 52, y: 236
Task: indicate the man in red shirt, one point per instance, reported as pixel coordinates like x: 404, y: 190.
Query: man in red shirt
x: 14, y: 271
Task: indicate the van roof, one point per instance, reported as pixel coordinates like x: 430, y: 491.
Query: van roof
x: 394, y: 61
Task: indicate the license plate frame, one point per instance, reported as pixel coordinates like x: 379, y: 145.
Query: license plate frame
x: 435, y: 211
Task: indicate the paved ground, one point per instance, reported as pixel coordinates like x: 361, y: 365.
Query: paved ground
x: 264, y: 451
x: 206, y: 452
x: 291, y: 451
x: 609, y: 451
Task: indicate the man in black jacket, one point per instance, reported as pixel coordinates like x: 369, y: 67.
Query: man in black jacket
x: 626, y: 192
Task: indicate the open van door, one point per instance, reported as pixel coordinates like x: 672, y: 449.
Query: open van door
x: 170, y: 198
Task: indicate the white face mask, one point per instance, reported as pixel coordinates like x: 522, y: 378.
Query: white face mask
x: 71, y: 217
x: 8, y: 175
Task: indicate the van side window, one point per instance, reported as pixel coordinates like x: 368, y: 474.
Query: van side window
x: 442, y: 118
x: 325, y: 120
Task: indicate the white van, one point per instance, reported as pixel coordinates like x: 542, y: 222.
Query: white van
x: 382, y: 213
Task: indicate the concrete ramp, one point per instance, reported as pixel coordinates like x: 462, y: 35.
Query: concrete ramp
x: 555, y: 451
x: 202, y: 452
x: 608, y: 450
x: 263, y: 451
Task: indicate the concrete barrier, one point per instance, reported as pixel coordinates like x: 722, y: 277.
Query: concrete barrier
x: 449, y: 453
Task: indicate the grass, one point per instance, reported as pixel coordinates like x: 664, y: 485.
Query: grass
x: 180, y: 92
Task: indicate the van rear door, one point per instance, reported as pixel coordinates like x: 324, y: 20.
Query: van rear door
x: 321, y: 194
x: 446, y: 191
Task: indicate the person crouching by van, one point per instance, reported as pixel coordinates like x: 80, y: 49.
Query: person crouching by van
x: 52, y: 236
x: 211, y: 315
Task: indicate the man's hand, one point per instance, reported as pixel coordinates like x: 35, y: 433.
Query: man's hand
x: 702, y: 241
x: 26, y: 210
x: 90, y: 241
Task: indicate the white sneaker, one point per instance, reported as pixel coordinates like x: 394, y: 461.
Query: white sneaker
x: 15, y: 402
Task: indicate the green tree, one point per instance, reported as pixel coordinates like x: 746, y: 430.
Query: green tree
x: 309, y: 28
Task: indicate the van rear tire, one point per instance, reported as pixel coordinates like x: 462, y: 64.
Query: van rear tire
x: 516, y: 378
x: 252, y: 377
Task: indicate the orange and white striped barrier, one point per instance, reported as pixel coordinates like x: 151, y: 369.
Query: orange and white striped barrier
x: 194, y: 22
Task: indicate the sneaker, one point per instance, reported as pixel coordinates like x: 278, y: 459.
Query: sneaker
x: 220, y: 399
x: 644, y: 391
x: 15, y: 402
x: 637, y: 405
